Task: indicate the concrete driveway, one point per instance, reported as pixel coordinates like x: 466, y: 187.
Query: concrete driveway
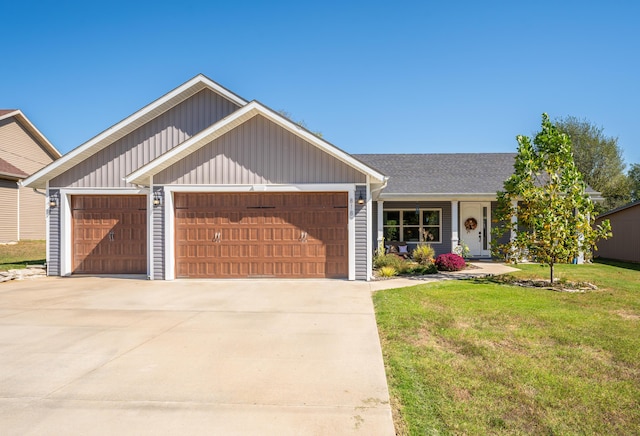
x: 123, y: 356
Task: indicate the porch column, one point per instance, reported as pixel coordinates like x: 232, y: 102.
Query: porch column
x: 380, y: 224
x: 514, y: 220
x: 455, y: 220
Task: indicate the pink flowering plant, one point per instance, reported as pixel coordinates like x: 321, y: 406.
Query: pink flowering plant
x: 450, y: 262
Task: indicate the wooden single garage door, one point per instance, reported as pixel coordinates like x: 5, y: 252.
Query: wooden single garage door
x: 288, y: 235
x: 109, y: 234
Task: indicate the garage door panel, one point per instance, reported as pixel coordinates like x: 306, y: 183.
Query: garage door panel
x: 262, y: 234
x: 109, y: 234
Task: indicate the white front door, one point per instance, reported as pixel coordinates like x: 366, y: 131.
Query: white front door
x: 475, y: 227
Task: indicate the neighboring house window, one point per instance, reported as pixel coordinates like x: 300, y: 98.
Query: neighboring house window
x: 409, y: 226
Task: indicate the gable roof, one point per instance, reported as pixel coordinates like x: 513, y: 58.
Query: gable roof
x: 31, y: 128
x: 11, y: 172
x: 128, y: 125
x: 216, y: 130
x: 442, y: 173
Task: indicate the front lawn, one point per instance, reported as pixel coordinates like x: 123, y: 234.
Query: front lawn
x: 479, y: 357
x: 13, y: 256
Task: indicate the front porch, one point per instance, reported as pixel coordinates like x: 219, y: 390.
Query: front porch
x: 442, y: 224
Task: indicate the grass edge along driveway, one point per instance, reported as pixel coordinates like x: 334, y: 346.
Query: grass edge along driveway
x: 479, y: 357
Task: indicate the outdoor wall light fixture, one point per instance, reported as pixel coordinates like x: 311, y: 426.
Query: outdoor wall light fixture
x: 360, y: 199
x: 53, y: 200
x: 157, y: 199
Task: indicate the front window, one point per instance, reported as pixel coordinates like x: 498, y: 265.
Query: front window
x: 409, y: 226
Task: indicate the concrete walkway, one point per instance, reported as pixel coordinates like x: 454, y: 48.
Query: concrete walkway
x: 88, y: 355
x: 479, y: 269
x: 120, y: 356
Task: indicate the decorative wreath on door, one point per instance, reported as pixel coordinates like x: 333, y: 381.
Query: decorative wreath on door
x: 470, y: 224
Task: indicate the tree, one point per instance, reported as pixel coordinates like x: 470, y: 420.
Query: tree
x: 599, y: 159
x: 634, y: 181
x: 544, y: 205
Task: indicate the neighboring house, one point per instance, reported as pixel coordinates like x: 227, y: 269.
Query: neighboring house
x: 23, y: 151
x: 202, y: 183
x: 624, y: 245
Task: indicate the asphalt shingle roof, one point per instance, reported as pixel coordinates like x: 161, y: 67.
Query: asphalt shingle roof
x: 441, y: 173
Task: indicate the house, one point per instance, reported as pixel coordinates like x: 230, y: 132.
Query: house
x: 23, y: 151
x: 203, y: 183
x: 442, y: 199
x: 624, y: 245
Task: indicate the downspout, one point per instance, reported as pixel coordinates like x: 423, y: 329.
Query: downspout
x: 384, y: 185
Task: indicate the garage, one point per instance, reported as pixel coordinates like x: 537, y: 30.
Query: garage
x: 109, y: 234
x: 283, y: 235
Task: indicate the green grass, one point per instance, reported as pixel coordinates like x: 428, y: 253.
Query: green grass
x: 22, y: 254
x: 479, y: 357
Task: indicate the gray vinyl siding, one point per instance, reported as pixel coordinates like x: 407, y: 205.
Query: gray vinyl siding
x: 109, y: 166
x: 259, y: 152
x: 361, y: 234
x: 9, y: 211
x: 158, y: 239
x: 440, y: 248
x: 53, y: 265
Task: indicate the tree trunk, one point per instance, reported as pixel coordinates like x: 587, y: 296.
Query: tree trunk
x: 551, y: 273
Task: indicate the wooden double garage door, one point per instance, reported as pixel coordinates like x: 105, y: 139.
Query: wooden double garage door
x: 286, y: 235
x: 109, y: 234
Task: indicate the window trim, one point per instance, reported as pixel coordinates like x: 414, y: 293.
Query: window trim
x: 420, y: 225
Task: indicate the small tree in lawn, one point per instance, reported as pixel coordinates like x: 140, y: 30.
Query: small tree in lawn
x: 552, y: 221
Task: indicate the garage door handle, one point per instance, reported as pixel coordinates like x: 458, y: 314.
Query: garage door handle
x: 112, y: 235
x: 303, y: 236
x: 217, y: 237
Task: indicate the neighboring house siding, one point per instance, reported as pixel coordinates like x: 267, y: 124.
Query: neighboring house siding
x: 624, y: 245
x: 32, y: 214
x: 440, y: 248
x: 8, y: 211
x: 109, y: 166
x: 158, y: 239
x: 53, y: 266
x: 20, y: 148
x: 361, y: 235
x: 258, y: 152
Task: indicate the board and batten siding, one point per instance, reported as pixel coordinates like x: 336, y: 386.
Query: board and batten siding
x: 361, y: 234
x: 9, y: 211
x: 109, y: 166
x: 53, y: 264
x: 258, y: 152
x: 158, y: 237
x: 439, y: 247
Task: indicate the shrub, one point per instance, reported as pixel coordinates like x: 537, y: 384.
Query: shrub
x: 380, y: 261
x: 450, y: 262
x: 423, y: 254
x: 420, y: 270
x: 387, y: 271
x: 461, y: 249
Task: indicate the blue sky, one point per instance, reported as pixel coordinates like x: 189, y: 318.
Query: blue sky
x: 373, y: 77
